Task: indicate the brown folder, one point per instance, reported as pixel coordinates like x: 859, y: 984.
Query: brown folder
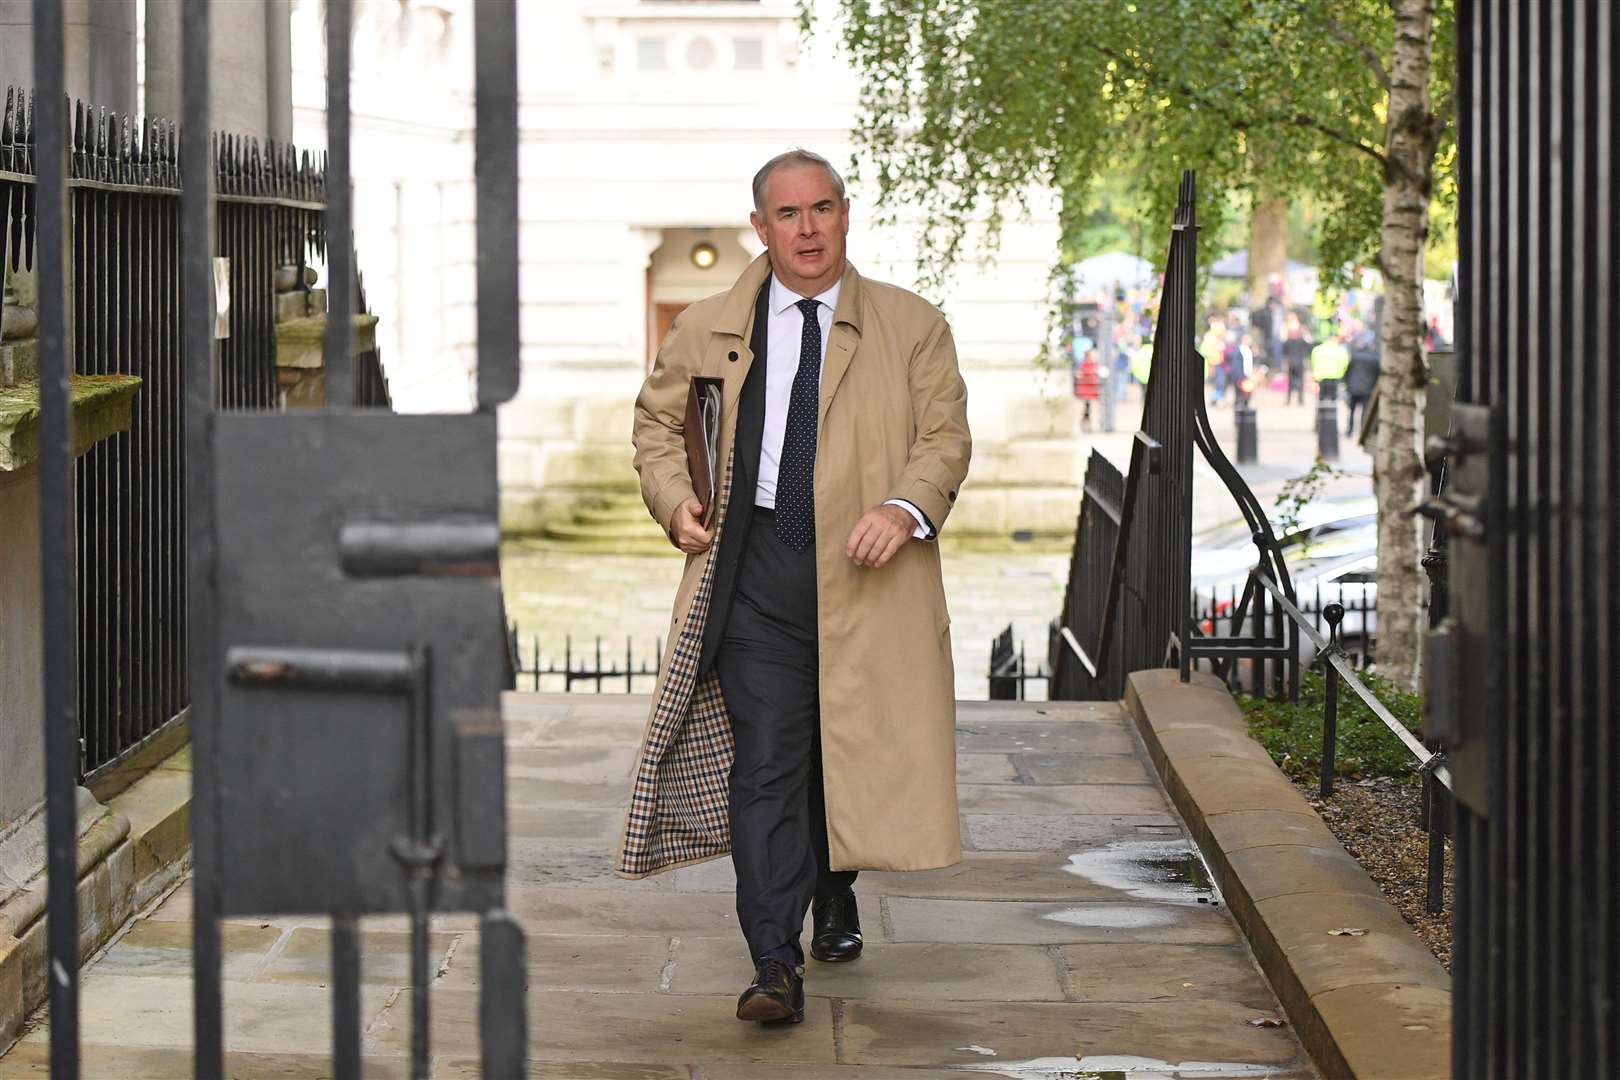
x: 703, y: 441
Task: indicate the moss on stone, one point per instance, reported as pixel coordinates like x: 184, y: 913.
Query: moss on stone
x: 101, y: 409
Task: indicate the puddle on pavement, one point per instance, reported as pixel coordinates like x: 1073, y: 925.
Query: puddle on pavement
x: 1116, y: 1067
x: 1166, y: 871
x: 1113, y: 916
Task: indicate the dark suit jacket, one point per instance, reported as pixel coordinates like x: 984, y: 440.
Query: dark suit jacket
x: 744, y: 481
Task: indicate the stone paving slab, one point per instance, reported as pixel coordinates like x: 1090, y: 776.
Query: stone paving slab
x: 1021, y: 737
x: 957, y: 1034
x: 573, y: 764
x: 1066, y: 832
x: 1053, y: 949
x: 1044, y: 767
x: 266, y: 1018
x: 903, y: 972
x: 618, y: 910
x: 626, y: 1027
x: 1044, y: 800
x: 986, y: 769
x: 304, y: 955
x: 101, y: 1061
x: 1157, y: 972
x: 590, y: 963
x: 164, y: 948
x: 1017, y: 922
x: 994, y: 875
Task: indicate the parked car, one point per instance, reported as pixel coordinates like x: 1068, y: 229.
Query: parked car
x: 1332, y: 557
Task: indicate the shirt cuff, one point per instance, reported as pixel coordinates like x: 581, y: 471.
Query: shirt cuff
x: 924, y: 531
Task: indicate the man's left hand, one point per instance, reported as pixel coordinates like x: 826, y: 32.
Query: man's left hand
x: 881, y: 532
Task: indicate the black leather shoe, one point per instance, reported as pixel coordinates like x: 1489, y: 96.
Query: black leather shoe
x: 837, y: 935
x: 776, y: 994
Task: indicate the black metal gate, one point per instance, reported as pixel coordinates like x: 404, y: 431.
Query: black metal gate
x: 1524, y: 689
x: 346, y: 641
x: 1128, y: 604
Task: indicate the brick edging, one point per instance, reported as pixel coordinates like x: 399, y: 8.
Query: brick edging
x: 1375, y: 1005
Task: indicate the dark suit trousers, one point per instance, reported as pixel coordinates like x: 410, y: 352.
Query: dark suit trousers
x: 768, y: 666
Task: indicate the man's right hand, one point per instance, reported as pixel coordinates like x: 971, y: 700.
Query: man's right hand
x: 685, y: 530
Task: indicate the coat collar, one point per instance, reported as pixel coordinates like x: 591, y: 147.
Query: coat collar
x: 738, y: 307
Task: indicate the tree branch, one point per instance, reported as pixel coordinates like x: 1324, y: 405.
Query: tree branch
x: 1304, y: 121
x: 1240, y: 122
x: 1379, y: 71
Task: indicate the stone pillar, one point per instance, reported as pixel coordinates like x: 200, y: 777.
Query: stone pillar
x: 278, y: 68
x: 245, y: 67
x: 100, y: 51
x: 22, y: 671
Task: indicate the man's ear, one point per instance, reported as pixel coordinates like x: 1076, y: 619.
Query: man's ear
x: 759, y: 227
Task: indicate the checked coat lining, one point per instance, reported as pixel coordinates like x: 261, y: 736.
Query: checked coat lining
x: 680, y: 803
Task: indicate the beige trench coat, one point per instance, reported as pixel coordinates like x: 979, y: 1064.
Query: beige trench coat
x: 893, y: 424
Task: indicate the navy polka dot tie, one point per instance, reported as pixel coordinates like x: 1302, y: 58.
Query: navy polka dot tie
x: 795, y: 475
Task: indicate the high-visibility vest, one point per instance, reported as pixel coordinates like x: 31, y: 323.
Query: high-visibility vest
x: 1142, y: 363
x: 1329, y: 360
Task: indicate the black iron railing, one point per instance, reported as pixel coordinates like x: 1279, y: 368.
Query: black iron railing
x: 1128, y: 605
x: 124, y: 239
x: 1339, y: 670
x: 1215, y: 609
x: 597, y: 668
x: 1010, y: 671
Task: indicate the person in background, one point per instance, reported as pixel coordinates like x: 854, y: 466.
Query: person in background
x: 1296, y: 350
x: 1142, y: 364
x: 1119, y: 379
x: 1213, y: 349
x: 1362, y: 375
x: 1087, y: 386
x: 1329, y: 361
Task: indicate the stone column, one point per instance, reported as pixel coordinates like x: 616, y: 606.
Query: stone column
x: 251, y: 82
x: 278, y: 68
x: 100, y: 51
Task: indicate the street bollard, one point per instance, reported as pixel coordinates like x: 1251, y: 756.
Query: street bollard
x: 1248, y: 434
x: 1327, y: 430
x: 1334, y: 614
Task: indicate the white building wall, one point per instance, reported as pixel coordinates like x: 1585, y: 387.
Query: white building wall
x: 637, y: 117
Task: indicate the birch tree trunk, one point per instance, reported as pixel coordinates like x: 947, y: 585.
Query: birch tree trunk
x: 1397, y: 459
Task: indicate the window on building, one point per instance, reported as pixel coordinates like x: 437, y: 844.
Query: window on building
x: 652, y: 53
x: 749, y: 53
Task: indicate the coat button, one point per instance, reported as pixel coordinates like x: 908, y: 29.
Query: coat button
x: 952, y: 496
x: 731, y: 356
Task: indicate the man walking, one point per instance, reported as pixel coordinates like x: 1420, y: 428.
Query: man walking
x: 1296, y: 350
x: 805, y: 714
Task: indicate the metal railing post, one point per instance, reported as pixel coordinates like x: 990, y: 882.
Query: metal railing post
x: 1434, y: 802
x: 1334, y: 614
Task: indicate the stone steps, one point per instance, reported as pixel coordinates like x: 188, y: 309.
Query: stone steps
x: 612, y: 524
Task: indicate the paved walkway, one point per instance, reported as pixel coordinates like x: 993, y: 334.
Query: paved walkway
x: 1076, y: 939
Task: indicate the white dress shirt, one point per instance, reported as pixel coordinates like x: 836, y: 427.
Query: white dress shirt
x: 783, y: 336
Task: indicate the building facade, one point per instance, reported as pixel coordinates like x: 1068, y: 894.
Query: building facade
x: 642, y: 123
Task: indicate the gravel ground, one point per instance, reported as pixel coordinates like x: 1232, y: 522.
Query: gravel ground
x: 1377, y: 822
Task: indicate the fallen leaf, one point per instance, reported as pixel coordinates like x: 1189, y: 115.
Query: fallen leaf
x: 1267, y: 1022
x: 1349, y: 931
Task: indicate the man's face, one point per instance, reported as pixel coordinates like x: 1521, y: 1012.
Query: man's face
x: 803, y: 227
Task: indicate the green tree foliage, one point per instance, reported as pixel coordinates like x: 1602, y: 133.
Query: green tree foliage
x: 967, y: 103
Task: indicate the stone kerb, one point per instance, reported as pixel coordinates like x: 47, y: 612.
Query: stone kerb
x: 1372, y: 1004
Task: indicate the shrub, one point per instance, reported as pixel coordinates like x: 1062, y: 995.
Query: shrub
x: 1291, y: 731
